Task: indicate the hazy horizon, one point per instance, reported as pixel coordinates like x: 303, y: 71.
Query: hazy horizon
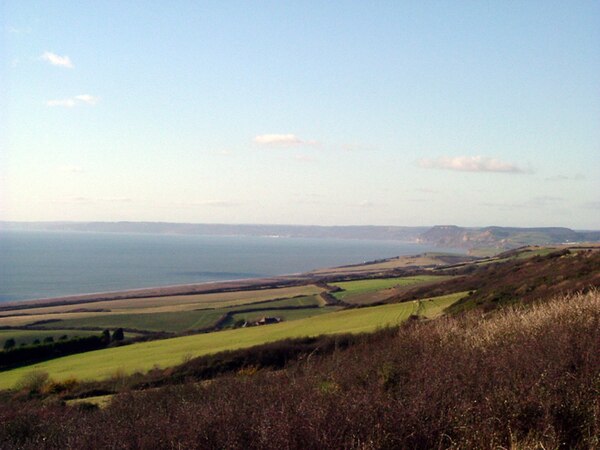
x: 336, y: 114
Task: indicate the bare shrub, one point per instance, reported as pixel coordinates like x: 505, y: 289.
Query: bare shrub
x: 33, y: 382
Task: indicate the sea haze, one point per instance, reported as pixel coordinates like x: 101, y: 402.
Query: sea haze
x: 36, y: 264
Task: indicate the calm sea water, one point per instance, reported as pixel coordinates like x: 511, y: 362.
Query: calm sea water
x: 52, y: 264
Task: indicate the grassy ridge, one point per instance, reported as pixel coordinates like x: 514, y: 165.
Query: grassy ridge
x: 168, y: 352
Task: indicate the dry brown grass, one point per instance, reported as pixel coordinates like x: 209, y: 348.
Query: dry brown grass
x: 519, y: 378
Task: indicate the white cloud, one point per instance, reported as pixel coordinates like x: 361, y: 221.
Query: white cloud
x: 74, y: 101
x: 57, y: 60
x: 279, y: 140
x: 86, y: 98
x: 469, y: 164
x: 282, y: 140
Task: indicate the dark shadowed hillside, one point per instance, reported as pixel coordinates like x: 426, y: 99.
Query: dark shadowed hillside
x: 516, y: 280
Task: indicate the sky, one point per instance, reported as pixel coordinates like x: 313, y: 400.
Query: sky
x: 471, y: 113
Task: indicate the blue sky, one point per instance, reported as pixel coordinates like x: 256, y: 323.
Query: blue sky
x: 386, y: 113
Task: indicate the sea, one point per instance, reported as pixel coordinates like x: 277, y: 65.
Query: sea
x: 41, y: 264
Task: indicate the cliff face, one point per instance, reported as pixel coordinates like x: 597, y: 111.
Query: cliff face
x: 501, y: 237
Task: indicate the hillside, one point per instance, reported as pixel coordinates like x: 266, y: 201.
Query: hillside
x: 502, y: 237
x: 516, y: 280
x: 523, y: 378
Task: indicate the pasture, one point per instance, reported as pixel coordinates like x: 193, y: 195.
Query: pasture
x: 168, y: 352
x: 173, y: 302
x: 154, y: 305
x: 179, y: 321
x: 356, y: 289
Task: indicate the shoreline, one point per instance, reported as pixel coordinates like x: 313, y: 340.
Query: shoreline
x: 319, y: 275
x: 207, y: 287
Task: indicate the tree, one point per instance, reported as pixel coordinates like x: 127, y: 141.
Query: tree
x: 106, y: 336
x: 118, y: 335
x: 9, y: 344
x: 48, y: 340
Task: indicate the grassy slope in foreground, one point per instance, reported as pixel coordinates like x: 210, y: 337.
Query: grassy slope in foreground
x: 168, y: 352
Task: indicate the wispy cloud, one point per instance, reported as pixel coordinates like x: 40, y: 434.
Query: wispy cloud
x: 89, y: 200
x: 543, y: 201
x: 17, y: 30
x: 281, y: 140
x: 576, y: 177
x: 74, y: 101
x: 304, y: 158
x: 86, y: 98
x: 592, y: 205
x: 57, y: 60
x: 366, y: 204
x: 470, y: 164
x: 355, y: 147
x: 214, y: 203
x: 67, y: 168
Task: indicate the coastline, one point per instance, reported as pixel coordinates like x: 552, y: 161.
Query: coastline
x: 393, y: 266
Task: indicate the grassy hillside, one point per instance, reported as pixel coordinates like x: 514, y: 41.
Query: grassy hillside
x: 356, y: 289
x: 519, y: 378
x: 169, y: 352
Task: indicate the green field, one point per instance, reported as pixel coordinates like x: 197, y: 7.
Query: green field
x: 178, y: 321
x: 168, y: 352
x: 284, y: 314
x: 28, y: 336
x: 359, y: 287
x: 168, y: 321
